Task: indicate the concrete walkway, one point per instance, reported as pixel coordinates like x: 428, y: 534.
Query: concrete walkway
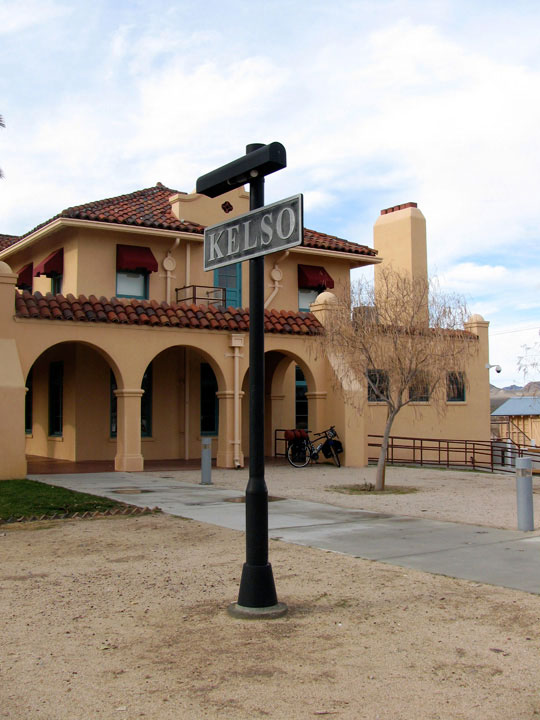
x: 498, y: 557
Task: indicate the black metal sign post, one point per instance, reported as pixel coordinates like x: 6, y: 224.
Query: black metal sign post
x: 257, y: 594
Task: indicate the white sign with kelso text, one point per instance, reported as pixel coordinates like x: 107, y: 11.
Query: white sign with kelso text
x: 269, y: 229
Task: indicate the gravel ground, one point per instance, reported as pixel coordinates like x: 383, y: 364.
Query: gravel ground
x: 126, y: 618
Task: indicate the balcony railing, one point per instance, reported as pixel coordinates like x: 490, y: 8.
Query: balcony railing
x: 201, y: 295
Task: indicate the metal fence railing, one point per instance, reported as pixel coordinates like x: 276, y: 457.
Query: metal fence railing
x: 280, y: 444
x: 201, y: 295
x: 492, y: 455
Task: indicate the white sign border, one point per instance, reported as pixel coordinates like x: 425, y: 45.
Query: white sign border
x: 241, y: 218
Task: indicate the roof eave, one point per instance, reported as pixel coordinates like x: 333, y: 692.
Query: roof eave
x: 59, y: 223
x: 357, y: 260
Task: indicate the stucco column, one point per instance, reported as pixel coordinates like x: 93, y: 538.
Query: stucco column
x: 12, y: 389
x: 478, y: 373
x: 226, y: 442
x: 318, y: 417
x: 274, y: 408
x: 128, y: 438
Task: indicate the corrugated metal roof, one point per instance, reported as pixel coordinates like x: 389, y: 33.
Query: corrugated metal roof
x: 519, y: 406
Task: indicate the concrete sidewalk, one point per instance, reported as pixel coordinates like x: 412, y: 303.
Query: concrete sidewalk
x: 499, y: 557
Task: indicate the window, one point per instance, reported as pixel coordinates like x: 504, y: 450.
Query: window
x: 209, y: 401
x: 301, y: 400
x: 52, y: 267
x: 56, y: 284
x: 419, y: 389
x: 378, y: 385
x: 305, y: 298
x: 146, y: 405
x: 230, y: 278
x: 312, y: 280
x: 455, y: 387
x: 29, y: 403
x: 113, y: 415
x: 56, y: 398
x: 134, y: 264
x: 131, y: 284
x: 25, y: 277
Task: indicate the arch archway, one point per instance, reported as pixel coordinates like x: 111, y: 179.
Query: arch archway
x: 182, y: 403
x: 280, y: 396
x: 68, y: 403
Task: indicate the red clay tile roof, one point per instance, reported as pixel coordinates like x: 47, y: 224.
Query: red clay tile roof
x: 321, y: 241
x: 150, y: 312
x: 7, y: 240
x: 151, y: 208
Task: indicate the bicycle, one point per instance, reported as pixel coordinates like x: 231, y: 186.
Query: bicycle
x: 301, y: 449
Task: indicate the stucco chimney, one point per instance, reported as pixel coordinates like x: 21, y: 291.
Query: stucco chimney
x: 399, y: 235
x: 210, y: 211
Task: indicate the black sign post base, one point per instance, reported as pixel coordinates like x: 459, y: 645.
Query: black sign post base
x: 257, y: 596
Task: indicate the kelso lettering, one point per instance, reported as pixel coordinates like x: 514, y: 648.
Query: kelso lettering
x: 269, y: 229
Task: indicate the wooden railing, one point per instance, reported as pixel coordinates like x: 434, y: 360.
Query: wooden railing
x: 504, y: 427
x: 493, y: 455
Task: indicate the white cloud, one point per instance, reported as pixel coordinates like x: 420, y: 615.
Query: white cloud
x: 19, y: 15
x: 471, y: 277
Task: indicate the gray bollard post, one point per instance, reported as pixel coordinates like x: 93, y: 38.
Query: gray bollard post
x: 525, y: 513
x: 206, y: 461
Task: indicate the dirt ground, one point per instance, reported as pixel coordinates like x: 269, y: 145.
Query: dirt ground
x: 126, y: 618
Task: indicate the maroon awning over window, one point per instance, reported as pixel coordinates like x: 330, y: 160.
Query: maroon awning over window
x: 24, y: 279
x: 313, y: 277
x: 52, y: 266
x: 135, y: 258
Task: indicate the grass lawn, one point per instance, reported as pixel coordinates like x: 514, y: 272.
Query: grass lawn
x: 25, y: 498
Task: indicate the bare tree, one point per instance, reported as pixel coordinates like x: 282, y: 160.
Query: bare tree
x: 402, y: 340
x: 529, y: 362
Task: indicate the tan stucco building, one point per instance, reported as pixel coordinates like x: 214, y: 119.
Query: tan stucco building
x: 116, y: 345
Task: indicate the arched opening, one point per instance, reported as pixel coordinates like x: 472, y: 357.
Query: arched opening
x: 68, y: 404
x: 287, y: 380
x: 180, y: 404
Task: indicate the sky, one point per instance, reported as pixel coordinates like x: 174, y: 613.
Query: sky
x: 377, y: 103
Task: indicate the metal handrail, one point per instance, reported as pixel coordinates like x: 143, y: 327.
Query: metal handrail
x: 491, y: 455
x: 201, y: 295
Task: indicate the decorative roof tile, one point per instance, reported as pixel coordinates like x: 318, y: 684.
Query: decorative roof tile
x: 151, y: 208
x: 149, y: 312
x: 7, y: 240
x: 321, y: 241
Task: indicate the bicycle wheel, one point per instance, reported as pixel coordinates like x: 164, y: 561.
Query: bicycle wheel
x: 335, y: 455
x: 298, y: 454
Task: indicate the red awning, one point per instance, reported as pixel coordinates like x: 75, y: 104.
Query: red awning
x: 52, y: 265
x: 24, y: 279
x: 314, y: 277
x: 135, y: 258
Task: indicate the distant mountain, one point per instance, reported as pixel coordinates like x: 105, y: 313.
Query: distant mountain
x: 500, y: 395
